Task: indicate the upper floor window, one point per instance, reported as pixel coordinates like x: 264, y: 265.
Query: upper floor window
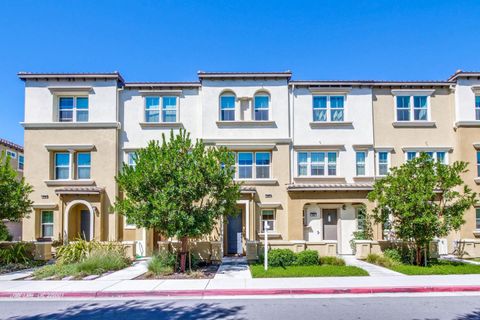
x: 227, y: 107
x: 478, y: 164
x: 360, y: 162
x: 412, y: 108
x: 328, y: 108
x: 62, y: 166
x: 477, y: 107
x: 83, y: 165
x: 152, y: 109
x: 20, y: 162
x: 261, y: 106
x: 253, y: 165
x: 167, y: 114
x: 169, y: 109
x: 312, y: 164
x: 73, y: 109
x: 383, y: 162
x: 132, y: 159
x: 477, y: 218
x: 440, y: 156
x: 11, y: 154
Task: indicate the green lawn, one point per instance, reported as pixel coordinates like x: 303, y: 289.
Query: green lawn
x: 306, y: 271
x: 440, y: 267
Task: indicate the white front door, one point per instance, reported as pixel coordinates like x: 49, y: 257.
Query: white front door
x: 313, y: 224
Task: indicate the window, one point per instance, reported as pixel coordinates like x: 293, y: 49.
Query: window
x: 477, y: 218
x: 47, y: 224
x: 361, y: 215
x: 128, y: 224
x: 131, y: 159
x: 268, y: 216
x: 11, y: 154
x: 62, y: 166
x: 478, y: 163
x: 83, y: 165
x: 360, y: 162
x: 328, y: 108
x: 261, y: 107
x: 383, y: 163
x: 262, y: 165
x: 245, y: 165
x: 152, y: 109
x: 71, y: 109
x: 405, y: 111
x: 477, y: 107
x: 20, y: 162
x: 312, y: 164
x: 227, y: 108
x: 169, y: 109
x: 440, y: 156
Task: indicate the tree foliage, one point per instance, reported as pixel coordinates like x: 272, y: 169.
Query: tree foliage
x: 178, y: 187
x: 426, y: 199
x: 14, y: 192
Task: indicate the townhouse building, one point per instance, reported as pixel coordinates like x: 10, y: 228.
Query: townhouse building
x: 307, y: 152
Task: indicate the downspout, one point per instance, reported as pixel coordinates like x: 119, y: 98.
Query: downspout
x: 116, y: 236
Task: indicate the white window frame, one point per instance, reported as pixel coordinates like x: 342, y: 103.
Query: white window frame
x: 21, y: 156
x: 364, y: 163
x: 227, y: 94
x: 274, y: 220
x: 47, y: 223
x: 12, y: 154
x: 411, y: 107
x: 477, y: 107
x: 263, y: 165
x: 388, y: 162
x: 326, y: 164
x: 254, y: 165
x: 78, y: 166
x: 477, y: 154
x: 163, y: 109
x: 262, y: 94
x: 477, y: 218
x: 131, y: 157
x: 357, y: 210
x: 158, y: 109
x: 434, y: 154
x: 328, y: 108
x: 69, y: 165
x: 74, y: 109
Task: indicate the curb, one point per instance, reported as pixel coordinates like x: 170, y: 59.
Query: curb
x: 234, y: 292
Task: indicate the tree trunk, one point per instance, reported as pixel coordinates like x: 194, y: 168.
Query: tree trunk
x: 418, y: 258
x: 183, y: 254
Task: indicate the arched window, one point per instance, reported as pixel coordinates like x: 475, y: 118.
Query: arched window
x: 261, y: 104
x: 227, y: 106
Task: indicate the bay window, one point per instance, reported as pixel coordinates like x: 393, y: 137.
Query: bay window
x: 316, y: 164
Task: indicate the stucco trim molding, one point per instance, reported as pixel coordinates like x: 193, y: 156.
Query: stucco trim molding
x: 413, y: 92
x: 414, y: 124
x: 331, y: 124
x: 477, y: 180
x: 52, y: 206
x: 386, y: 148
x: 252, y: 147
x: 246, y: 124
x: 72, y: 89
x: 69, y: 182
x: 247, y: 141
x: 71, y: 125
x: 258, y: 182
x: 269, y: 205
x: 476, y: 89
x: 362, y: 146
x: 326, y: 147
x: 330, y: 90
x: 161, y: 124
x: 73, y: 147
x: 467, y: 124
x: 429, y: 148
x: 160, y: 92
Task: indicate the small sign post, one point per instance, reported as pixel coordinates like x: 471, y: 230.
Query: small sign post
x: 265, y: 246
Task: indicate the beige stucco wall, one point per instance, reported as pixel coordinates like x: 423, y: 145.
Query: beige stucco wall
x: 103, y: 171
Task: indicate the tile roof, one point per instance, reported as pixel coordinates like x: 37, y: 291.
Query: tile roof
x: 248, y: 189
x: 10, y: 144
x: 42, y: 75
x: 329, y: 186
x: 79, y: 190
x: 282, y: 74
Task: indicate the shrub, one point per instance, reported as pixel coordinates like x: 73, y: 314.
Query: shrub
x: 80, y: 249
x: 381, y: 260
x: 16, y: 253
x: 333, y: 261
x: 55, y: 270
x: 393, y: 254
x: 281, y: 257
x: 102, y: 260
x: 307, y: 258
x: 4, y: 234
x: 162, y: 263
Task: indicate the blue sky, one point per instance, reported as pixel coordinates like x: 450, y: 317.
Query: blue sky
x: 172, y: 40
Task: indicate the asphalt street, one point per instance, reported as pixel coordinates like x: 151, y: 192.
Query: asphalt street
x: 377, y: 307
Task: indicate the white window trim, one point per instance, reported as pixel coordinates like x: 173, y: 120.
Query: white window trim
x: 262, y: 221
x: 227, y: 94
x: 69, y: 165
x: 417, y: 153
x: 475, y: 106
x: 77, y: 169
x: 411, y: 107
x: 162, y: 109
x: 47, y: 223
x: 357, y: 209
x: 23, y: 163
x: 262, y: 94
x: 12, y: 154
x: 127, y: 161
x: 389, y: 155
x: 364, y: 163
x: 254, y: 166
x: 74, y: 109
x: 328, y: 108
x: 309, y: 163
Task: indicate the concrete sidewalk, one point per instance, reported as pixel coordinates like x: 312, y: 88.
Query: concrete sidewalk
x: 372, y: 269
x: 237, y: 287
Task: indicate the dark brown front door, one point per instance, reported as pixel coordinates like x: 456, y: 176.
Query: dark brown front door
x: 329, y: 224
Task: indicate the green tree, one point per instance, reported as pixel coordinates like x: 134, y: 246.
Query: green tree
x: 178, y: 187
x: 426, y: 199
x: 14, y: 193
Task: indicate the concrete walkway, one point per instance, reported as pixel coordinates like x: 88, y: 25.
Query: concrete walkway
x: 455, y: 259
x: 233, y: 268
x: 372, y: 269
x: 17, y: 275
x: 137, y: 269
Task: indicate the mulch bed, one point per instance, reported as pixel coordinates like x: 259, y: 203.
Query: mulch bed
x: 201, y: 272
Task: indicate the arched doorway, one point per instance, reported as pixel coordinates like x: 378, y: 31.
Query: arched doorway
x: 78, y: 221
